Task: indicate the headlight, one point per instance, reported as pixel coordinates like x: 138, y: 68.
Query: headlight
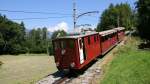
x: 63, y: 51
x: 72, y: 64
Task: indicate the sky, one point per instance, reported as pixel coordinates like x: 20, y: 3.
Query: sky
x: 55, y: 14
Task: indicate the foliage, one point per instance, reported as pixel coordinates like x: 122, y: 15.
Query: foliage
x: 143, y: 7
x: 14, y: 39
x: 37, y: 41
x: 50, y: 48
x: 58, y: 33
x: 11, y: 36
x: 129, y: 66
x: 118, y: 15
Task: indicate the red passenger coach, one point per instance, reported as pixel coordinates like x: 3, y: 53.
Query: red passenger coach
x: 108, y: 40
x: 121, y: 33
x: 75, y: 52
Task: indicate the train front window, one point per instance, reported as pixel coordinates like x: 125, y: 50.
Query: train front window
x: 56, y: 44
x: 71, y: 44
x: 63, y: 44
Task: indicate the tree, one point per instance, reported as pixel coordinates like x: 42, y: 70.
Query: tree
x: 23, y: 30
x: 38, y: 41
x: 10, y: 36
x: 45, y: 40
x: 50, y: 48
x: 58, y: 33
x: 14, y: 39
x: 114, y: 16
x: 143, y: 7
x: 1, y: 42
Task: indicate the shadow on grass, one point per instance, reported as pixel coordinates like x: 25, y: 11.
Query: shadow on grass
x: 1, y: 63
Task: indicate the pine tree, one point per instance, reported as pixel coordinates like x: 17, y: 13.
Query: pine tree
x: 143, y: 7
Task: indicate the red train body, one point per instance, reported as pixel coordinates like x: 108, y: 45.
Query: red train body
x: 108, y: 40
x: 76, y: 52
x: 121, y: 33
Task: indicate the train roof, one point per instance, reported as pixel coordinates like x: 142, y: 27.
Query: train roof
x: 77, y: 36
x: 104, y: 33
x: 120, y: 28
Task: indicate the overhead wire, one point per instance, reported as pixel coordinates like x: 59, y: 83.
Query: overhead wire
x: 61, y: 15
x: 35, y: 12
x: 41, y: 18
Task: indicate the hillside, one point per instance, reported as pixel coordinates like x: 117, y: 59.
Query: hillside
x: 130, y: 65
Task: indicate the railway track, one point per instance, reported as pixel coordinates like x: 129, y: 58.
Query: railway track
x: 89, y: 76
x: 57, y: 78
x: 93, y: 72
x: 62, y: 78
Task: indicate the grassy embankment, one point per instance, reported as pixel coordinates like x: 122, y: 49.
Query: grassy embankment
x: 129, y: 66
x: 25, y: 69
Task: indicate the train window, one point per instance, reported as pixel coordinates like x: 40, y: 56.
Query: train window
x: 56, y: 44
x: 110, y: 35
x: 113, y: 34
x: 107, y: 37
x: 71, y: 44
x: 63, y: 44
x: 89, y: 40
x: 103, y: 38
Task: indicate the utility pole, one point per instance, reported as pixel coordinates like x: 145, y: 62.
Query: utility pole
x: 74, y: 14
x: 118, y: 21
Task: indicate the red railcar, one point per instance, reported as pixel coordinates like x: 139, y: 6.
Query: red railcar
x: 108, y: 40
x: 75, y: 52
x: 121, y: 33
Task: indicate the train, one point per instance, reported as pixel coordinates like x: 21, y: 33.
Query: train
x: 77, y: 51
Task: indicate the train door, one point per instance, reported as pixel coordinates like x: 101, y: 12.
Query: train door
x: 80, y: 43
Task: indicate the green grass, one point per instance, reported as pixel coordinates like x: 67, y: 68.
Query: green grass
x: 25, y: 69
x: 130, y: 65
